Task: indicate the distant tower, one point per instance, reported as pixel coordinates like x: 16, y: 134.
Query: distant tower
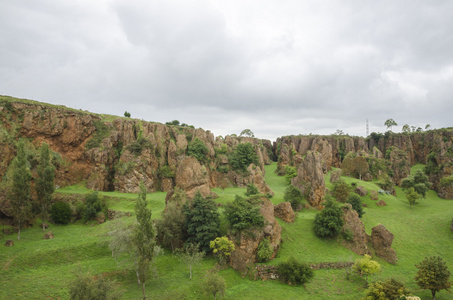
x: 367, y: 128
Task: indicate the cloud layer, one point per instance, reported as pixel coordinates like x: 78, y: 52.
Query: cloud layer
x: 278, y: 68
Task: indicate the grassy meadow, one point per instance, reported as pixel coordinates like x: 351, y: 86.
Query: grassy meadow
x: 41, y: 269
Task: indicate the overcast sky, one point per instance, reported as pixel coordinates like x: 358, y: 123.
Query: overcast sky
x: 275, y: 67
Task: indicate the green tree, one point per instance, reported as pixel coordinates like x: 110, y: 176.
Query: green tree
x: 45, y: 185
x: 87, y: 287
x: 247, y: 132
x: 202, y: 221
x: 386, y: 289
x: 223, y: 247
x: 294, y: 196
x: 20, y: 192
x: 329, y: 221
x: 412, y: 196
x: 214, y: 285
x: 419, y: 182
x: 251, y: 190
x: 290, y: 173
x: 390, y: 123
x: 127, y: 114
x: 264, y: 251
x: 365, y: 266
x: 170, y: 228
x: 295, y: 272
x: 198, y: 149
x: 190, y: 256
x: 61, y: 212
x: 340, y: 190
x: 427, y: 127
x: 143, y: 238
x: 433, y: 275
x: 243, y: 156
x: 406, y: 128
x: 242, y: 214
x: 356, y: 203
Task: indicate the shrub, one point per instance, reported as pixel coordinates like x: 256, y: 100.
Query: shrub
x: 137, y: 147
x: 329, y: 221
x: 290, y: 173
x: 386, y: 289
x: 294, y: 196
x: 264, y: 252
x: 295, y: 272
x: 243, y: 214
x: 86, y: 287
x: 198, y: 149
x: 365, y: 266
x: 348, y: 235
x: 61, y: 212
x: 251, y: 190
x: 94, y: 203
x: 243, y: 156
x: 223, y: 247
x: 356, y: 203
x: 166, y: 172
x: 213, y: 285
x: 340, y: 190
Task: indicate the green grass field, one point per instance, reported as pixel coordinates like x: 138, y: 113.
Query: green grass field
x: 41, y: 269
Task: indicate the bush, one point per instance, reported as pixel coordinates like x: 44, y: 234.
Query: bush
x: 356, y: 203
x: 198, y: 150
x: 386, y: 289
x: 294, y: 196
x: 295, y: 272
x: 340, y: 190
x: 243, y: 214
x: 264, y: 252
x: 61, y: 212
x: 94, y: 203
x: 137, y: 147
x: 86, y: 287
x: 251, y: 190
x: 329, y: 221
x: 290, y: 173
x: 243, y: 156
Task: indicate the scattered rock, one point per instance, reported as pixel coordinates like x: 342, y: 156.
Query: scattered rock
x: 352, y: 222
x: 374, y: 195
x: 361, y: 191
x: 381, y: 203
x: 364, y: 205
x: 382, y: 239
x: 9, y: 243
x: 335, y: 175
x: 100, y: 218
x: 285, y: 212
x: 48, y: 235
x: 45, y: 225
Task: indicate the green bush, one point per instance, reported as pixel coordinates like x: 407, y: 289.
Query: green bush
x: 264, y: 252
x: 243, y: 156
x: 166, y: 172
x: 242, y: 214
x: 340, y: 190
x: 61, y: 212
x: 94, y: 203
x: 198, y: 149
x: 86, y: 287
x: 294, y: 196
x: 294, y: 272
x: 329, y: 221
x: 356, y: 203
x: 348, y: 235
x: 251, y: 190
x: 386, y: 289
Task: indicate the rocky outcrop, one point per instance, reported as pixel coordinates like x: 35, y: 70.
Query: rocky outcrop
x: 192, y: 177
x: 382, y: 239
x: 335, y: 175
x: 48, y: 235
x: 285, y: 212
x: 361, y: 191
x: 310, y: 179
x: 381, y: 203
x: 353, y: 224
x: 246, y: 243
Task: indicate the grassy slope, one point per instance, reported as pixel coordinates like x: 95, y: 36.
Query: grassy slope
x: 37, y: 269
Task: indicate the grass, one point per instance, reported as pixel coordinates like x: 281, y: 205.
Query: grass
x: 41, y: 269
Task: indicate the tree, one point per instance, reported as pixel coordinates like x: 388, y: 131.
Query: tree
x: 419, y: 182
x: 365, y: 266
x: 386, y: 289
x: 294, y: 196
x: 251, y: 190
x: 223, y: 247
x: 190, y: 256
x: 143, y: 238
x: 340, y: 190
x: 329, y: 221
x: 406, y: 128
x: 242, y: 214
x: 20, y: 191
x: 356, y: 204
x: 427, y: 127
x: 433, y: 275
x: 264, y: 251
x: 127, y: 114
x: 247, y: 132
x: 87, y: 287
x: 61, y: 212
x: 170, y: 228
x: 390, y: 123
x: 45, y: 182
x: 243, y: 156
x: 202, y: 221
x: 213, y: 285
x: 295, y: 272
x: 198, y: 149
x: 290, y: 173
x: 355, y: 165
x: 412, y: 196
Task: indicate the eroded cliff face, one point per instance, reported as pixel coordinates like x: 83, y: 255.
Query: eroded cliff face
x: 115, y: 153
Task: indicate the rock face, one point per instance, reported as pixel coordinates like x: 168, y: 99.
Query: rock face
x: 192, y: 177
x: 335, y: 176
x: 246, y: 244
x: 382, y: 239
x: 310, y: 179
x: 285, y: 212
x: 352, y: 222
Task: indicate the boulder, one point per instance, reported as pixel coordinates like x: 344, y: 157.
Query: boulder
x: 310, y: 179
x: 246, y: 243
x: 48, y: 235
x: 381, y: 240
x: 335, y: 175
x: 352, y: 222
x: 361, y: 191
x: 9, y: 243
x: 374, y: 195
x: 192, y: 177
x: 285, y: 212
x: 381, y: 203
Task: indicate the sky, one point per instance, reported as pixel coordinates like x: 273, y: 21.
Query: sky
x: 275, y: 67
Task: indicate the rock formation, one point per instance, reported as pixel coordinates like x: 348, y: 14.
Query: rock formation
x: 353, y: 224
x: 382, y: 239
x: 285, y: 212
